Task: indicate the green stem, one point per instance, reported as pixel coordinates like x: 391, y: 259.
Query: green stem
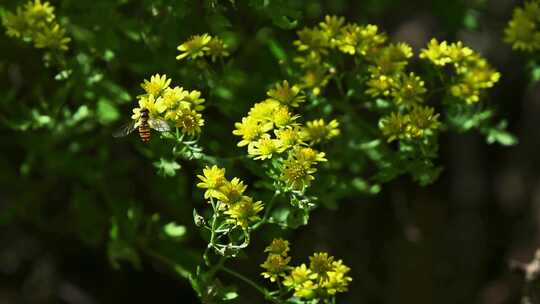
x: 266, y: 212
x: 246, y: 280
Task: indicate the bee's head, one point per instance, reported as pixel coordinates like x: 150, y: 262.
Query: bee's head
x: 144, y: 112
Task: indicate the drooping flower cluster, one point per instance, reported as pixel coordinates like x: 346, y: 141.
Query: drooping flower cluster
x: 523, y: 30
x: 473, y: 72
x: 36, y: 22
x: 203, y: 45
x: 229, y: 196
x: 179, y: 107
x: 272, y: 131
x: 323, y: 278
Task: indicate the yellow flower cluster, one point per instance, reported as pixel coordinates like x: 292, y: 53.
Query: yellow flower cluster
x: 473, y: 73
x: 324, y: 277
x: 523, y: 30
x: 172, y: 104
x: 36, y: 22
x: 271, y: 130
x: 332, y: 34
x: 203, y: 45
x: 419, y: 122
x: 239, y: 208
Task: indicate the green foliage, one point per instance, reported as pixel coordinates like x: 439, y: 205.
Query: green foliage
x: 330, y: 114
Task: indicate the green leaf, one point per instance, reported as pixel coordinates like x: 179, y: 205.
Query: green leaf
x: 498, y: 134
x: 174, y: 231
x: 167, y: 168
x: 107, y: 112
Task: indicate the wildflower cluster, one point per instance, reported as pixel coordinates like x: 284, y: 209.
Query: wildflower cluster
x: 523, y: 30
x: 36, y: 22
x: 271, y: 131
x: 232, y: 211
x: 322, y: 279
x: 175, y: 105
x: 314, y: 45
x: 204, y: 45
x: 473, y: 74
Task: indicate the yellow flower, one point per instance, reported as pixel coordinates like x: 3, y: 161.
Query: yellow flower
x: 394, y: 126
x: 232, y: 191
x: 263, y: 111
x: 436, y: 52
x: 355, y: 39
x: 318, y: 130
x: 422, y: 121
x: 309, y: 155
x: 156, y: 84
x: 212, y: 179
x: 337, y: 280
x: 312, y: 39
x: 251, y: 130
x: 189, y: 121
x: 306, y: 290
x: 53, y: 38
x: 390, y: 60
x: 172, y: 97
x: 265, y: 147
x: 289, y: 137
x: 282, y: 117
x: 286, y: 95
x: 16, y: 24
x: 194, y: 100
x: 523, y: 30
x: 275, y: 266
x: 38, y: 13
x: 278, y: 246
x: 331, y: 27
x: 297, y: 174
x: 321, y: 263
x: 298, y: 276
x: 244, y: 212
x: 195, y: 47
x: 217, y: 48
x: 380, y: 86
x: 409, y: 90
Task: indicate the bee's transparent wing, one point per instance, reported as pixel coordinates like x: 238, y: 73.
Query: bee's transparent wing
x: 125, y: 129
x: 159, y: 125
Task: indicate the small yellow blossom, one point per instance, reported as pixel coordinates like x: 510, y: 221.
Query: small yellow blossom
x: 394, y: 126
x: 195, y: 47
x: 278, y: 246
x: 296, y: 173
x: 212, y: 179
x: 265, y: 147
x: 189, y: 121
x: 321, y: 263
x: 231, y: 191
x: 380, y: 86
x: 156, y: 84
x: 318, y: 130
x: 286, y: 94
x: 251, y: 130
x: 312, y: 39
x: 309, y: 155
x: 337, y: 280
x: 217, y: 48
x: 289, y: 137
x: 436, y: 52
x: 275, y: 266
x: 35, y: 22
x: 306, y: 290
x: 523, y: 30
x: 331, y: 27
x: 282, y: 117
x: 244, y: 212
x: 410, y: 90
x: 298, y: 276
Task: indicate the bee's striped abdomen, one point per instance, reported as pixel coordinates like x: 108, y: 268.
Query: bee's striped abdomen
x: 144, y: 132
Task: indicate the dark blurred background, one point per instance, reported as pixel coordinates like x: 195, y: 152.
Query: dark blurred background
x: 450, y: 242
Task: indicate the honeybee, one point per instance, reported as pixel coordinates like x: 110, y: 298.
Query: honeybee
x: 143, y: 125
